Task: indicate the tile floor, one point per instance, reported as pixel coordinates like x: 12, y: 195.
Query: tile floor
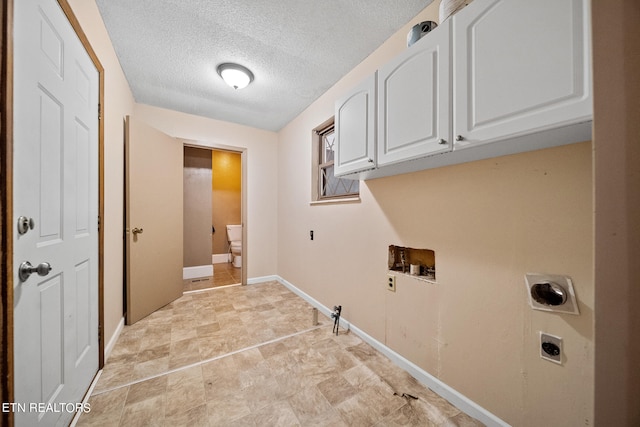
x: 250, y: 356
x: 223, y: 274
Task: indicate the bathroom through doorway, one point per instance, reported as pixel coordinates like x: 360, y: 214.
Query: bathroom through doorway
x: 213, y: 218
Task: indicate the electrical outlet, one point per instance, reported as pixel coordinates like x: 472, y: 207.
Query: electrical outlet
x: 391, y: 282
x: 551, y: 348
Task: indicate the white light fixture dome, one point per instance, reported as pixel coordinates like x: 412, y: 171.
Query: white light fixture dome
x: 235, y: 75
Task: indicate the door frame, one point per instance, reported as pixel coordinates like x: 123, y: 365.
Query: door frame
x: 211, y: 146
x: 6, y: 195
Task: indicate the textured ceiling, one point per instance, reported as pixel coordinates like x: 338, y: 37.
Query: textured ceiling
x: 297, y: 49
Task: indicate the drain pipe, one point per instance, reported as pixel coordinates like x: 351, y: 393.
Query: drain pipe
x: 336, y: 316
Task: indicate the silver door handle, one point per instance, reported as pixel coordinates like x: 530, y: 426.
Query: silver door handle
x: 26, y: 270
x: 137, y: 230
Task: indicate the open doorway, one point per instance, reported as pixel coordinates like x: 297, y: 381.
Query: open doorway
x: 226, y: 245
x: 212, y: 218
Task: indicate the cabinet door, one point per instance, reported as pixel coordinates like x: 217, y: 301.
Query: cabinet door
x: 355, y: 129
x: 414, y: 100
x: 521, y: 66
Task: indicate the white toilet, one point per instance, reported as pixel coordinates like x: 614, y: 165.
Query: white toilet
x: 234, y: 236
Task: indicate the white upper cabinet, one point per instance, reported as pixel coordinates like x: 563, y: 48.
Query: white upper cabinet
x: 499, y: 77
x: 355, y: 129
x: 414, y: 100
x: 521, y: 66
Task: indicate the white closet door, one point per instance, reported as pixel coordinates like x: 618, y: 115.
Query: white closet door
x: 55, y: 179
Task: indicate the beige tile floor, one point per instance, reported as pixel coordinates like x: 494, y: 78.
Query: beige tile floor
x: 223, y: 274
x: 249, y: 356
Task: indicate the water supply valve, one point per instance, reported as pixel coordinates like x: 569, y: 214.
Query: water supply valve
x: 337, y: 309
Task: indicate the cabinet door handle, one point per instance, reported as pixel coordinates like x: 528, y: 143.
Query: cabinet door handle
x: 459, y: 138
x: 442, y: 141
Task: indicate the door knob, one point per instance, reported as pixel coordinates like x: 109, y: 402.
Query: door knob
x: 137, y: 230
x: 26, y: 270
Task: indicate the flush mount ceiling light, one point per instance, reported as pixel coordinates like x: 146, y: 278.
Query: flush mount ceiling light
x: 235, y: 75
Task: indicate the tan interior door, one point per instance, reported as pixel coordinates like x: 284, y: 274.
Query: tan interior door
x: 154, y: 175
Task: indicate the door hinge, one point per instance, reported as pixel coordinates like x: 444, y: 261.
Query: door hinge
x: 99, y: 111
x: 98, y: 222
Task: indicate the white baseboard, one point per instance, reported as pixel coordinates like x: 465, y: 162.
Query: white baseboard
x: 255, y: 280
x: 112, y: 341
x: 459, y: 400
x: 197, y: 271
x: 314, y: 302
x: 220, y: 258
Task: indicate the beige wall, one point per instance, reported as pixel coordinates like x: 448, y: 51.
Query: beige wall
x: 261, y: 163
x: 118, y: 103
x: 489, y: 222
x: 226, y: 186
x: 617, y: 207
x: 197, y: 207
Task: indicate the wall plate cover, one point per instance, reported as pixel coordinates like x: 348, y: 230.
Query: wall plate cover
x: 391, y: 282
x: 570, y: 306
x: 551, y: 348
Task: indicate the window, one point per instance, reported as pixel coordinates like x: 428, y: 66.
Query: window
x: 326, y: 185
